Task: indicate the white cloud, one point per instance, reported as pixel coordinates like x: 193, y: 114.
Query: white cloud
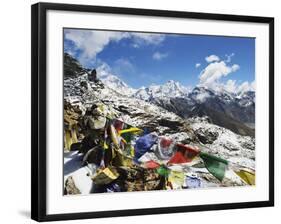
x: 211, y: 76
x: 197, y: 65
x: 202, y: 97
x: 235, y: 67
x: 230, y: 86
x: 246, y: 86
x: 233, y: 87
x: 147, y: 38
x: 159, y: 56
x: 214, y: 71
x: 92, y: 42
x: 212, y: 58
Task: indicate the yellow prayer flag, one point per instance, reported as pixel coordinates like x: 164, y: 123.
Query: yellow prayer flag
x: 129, y: 130
x: 105, y: 176
x: 247, y: 176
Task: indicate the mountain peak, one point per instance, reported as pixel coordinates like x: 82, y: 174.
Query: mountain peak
x: 172, y: 81
x: 170, y: 89
x: 112, y: 81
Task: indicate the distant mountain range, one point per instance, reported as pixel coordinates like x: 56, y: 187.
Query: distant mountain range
x: 234, y: 111
x: 169, y: 89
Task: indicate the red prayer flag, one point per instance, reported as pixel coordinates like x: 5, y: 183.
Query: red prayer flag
x: 151, y: 164
x: 165, y: 142
x: 188, y: 151
x: 184, y: 154
x: 178, y: 158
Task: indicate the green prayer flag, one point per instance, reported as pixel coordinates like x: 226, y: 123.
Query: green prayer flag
x: 163, y: 171
x: 215, y: 165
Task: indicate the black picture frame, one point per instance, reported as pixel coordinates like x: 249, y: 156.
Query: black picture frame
x: 38, y: 108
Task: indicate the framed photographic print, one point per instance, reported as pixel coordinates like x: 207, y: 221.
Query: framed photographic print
x: 139, y: 111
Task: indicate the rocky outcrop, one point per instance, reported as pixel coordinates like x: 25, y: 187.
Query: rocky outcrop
x: 71, y: 67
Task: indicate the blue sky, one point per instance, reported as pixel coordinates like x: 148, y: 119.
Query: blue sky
x: 141, y: 59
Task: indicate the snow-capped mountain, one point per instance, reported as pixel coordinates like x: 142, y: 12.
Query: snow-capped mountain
x: 73, y: 69
x: 201, y: 94
x: 169, y: 89
x: 173, y: 91
x: 239, y: 106
x: 112, y: 81
x: 233, y: 111
x: 246, y: 99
